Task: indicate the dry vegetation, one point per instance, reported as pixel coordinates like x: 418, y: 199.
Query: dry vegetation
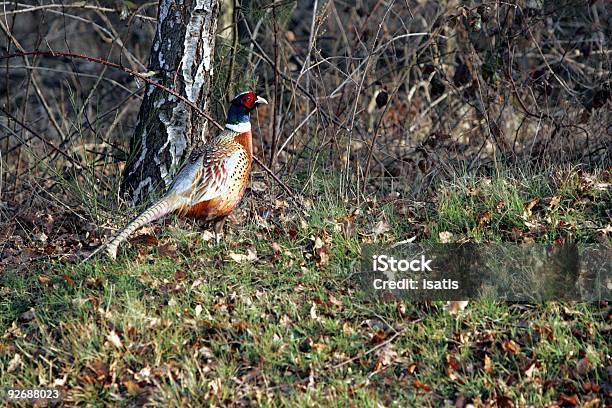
x: 389, y: 120
x: 403, y: 95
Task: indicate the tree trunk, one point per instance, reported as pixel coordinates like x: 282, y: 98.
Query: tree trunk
x: 181, y: 58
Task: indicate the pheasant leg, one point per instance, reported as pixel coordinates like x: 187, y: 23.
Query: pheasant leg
x: 218, y: 228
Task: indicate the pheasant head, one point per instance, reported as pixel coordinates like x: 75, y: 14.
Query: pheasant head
x: 241, y: 106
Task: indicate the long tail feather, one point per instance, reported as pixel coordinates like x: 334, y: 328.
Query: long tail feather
x: 156, y: 211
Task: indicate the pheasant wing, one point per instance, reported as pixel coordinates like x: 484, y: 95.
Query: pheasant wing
x: 218, y: 173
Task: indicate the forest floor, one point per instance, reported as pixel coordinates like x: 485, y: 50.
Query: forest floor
x: 273, y: 315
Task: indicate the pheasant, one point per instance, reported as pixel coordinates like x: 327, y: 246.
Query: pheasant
x: 212, y: 181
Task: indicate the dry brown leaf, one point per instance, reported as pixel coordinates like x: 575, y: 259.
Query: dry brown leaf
x: 132, y: 387
x: 591, y: 387
x: 386, y: 355
x: 379, y: 337
x: 321, y: 251
x: 568, y: 400
x: 554, y: 201
x: 100, y: 369
x: 488, y: 364
x: 333, y: 301
x: 516, y: 233
x: 251, y: 255
x: 196, y: 283
x: 511, y: 346
x: 167, y: 250
x: 583, y: 366
x: 276, y: 248
x: 68, y: 279
x: 44, y: 280
x: 485, y: 218
x: 323, y: 257
x: 418, y: 384
x: 145, y: 239
x: 504, y: 402
x: 528, y: 207
x: 179, y: 275
x: 318, y: 242
x: 318, y: 347
x: 452, y: 366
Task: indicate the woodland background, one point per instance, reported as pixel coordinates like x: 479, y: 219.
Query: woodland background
x: 449, y: 121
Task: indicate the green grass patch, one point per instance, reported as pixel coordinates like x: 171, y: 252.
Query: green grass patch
x: 272, y: 315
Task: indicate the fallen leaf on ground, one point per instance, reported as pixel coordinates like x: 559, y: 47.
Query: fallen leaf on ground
x: 15, y: 362
x: 379, y: 337
x: 488, y: 364
x: 196, y: 283
x: 504, y: 402
x: 583, y: 366
x: 313, y: 311
x: 250, y: 256
x: 145, y: 239
x: 511, y: 346
x: 455, y: 306
x: 44, y: 280
x: 527, y: 212
x: 445, y: 237
x: 380, y: 228
x: 571, y: 400
x: 594, y: 403
x: 114, y: 339
x: 418, y: 384
x: 530, y: 369
x: 167, y: 250
x: 27, y: 315
x: 132, y: 387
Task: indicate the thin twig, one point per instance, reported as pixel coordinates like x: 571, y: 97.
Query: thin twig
x: 233, y: 50
x: 39, y: 137
x: 146, y: 79
x: 378, y: 346
x: 276, y: 102
x: 39, y: 92
x: 143, y: 77
x: 262, y: 54
x: 65, y: 6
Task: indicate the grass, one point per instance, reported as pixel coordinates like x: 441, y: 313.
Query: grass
x: 190, y: 322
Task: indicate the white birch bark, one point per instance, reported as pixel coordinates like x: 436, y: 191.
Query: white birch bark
x: 181, y: 57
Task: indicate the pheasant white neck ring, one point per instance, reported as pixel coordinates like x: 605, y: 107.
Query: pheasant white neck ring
x: 240, y: 127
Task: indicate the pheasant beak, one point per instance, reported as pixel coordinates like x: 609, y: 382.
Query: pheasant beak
x: 260, y: 100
